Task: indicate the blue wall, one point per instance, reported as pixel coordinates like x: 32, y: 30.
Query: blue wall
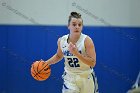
x: 117, y: 48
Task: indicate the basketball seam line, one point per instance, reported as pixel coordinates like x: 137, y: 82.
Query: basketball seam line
x: 37, y: 74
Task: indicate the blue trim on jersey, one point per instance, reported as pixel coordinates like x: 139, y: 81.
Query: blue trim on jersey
x: 68, y: 53
x: 93, y: 81
x: 65, y: 86
x: 91, y: 67
x: 95, y: 90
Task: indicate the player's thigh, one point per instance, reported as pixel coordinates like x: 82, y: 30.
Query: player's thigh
x: 88, y: 85
x: 69, y: 85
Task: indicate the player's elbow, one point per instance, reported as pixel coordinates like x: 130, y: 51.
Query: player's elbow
x: 93, y: 63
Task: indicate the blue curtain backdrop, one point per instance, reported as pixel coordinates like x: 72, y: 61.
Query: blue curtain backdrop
x: 117, y: 48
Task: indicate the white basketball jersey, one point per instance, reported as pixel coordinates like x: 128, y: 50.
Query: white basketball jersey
x: 72, y: 63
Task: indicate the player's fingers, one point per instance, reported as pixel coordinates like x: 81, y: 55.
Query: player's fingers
x: 41, y: 60
x: 71, y: 45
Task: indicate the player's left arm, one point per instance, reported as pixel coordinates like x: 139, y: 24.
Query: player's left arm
x: 90, y: 57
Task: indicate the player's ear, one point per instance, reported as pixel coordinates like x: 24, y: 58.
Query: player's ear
x: 68, y: 26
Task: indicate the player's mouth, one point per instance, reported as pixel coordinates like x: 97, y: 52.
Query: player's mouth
x: 76, y: 31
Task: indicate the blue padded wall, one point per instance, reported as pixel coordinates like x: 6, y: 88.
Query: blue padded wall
x: 117, y: 48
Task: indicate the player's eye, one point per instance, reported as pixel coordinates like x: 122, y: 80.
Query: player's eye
x: 79, y: 25
x: 74, y: 24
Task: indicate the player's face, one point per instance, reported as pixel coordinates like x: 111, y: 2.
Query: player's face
x: 75, y: 26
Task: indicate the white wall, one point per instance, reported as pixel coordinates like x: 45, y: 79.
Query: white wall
x: 56, y: 12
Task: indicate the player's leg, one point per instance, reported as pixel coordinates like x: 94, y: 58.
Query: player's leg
x: 69, y: 85
x: 90, y: 84
x: 87, y: 85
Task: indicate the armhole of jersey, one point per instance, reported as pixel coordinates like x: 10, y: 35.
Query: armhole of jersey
x: 85, y: 41
x: 60, y: 42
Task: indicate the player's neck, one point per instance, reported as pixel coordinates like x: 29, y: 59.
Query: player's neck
x: 73, y: 38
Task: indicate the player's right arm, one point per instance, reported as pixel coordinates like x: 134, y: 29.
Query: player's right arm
x: 57, y: 57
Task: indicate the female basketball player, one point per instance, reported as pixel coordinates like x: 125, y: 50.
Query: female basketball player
x: 80, y: 58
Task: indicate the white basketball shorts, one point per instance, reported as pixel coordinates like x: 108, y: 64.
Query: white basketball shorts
x: 80, y: 83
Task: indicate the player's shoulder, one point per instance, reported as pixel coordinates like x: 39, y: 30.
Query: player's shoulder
x: 64, y: 37
x: 88, y: 40
x: 86, y: 37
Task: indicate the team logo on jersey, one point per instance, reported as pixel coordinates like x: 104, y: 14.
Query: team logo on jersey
x: 67, y: 53
x: 64, y: 46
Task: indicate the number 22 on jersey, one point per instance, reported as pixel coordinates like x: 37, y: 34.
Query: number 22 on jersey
x: 73, y: 62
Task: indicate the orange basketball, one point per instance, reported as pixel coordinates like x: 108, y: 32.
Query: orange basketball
x: 40, y: 70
